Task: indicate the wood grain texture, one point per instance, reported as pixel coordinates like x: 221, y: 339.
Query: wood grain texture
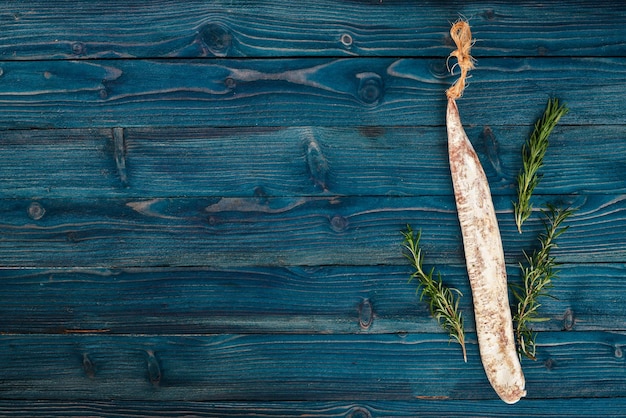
x: 611, y: 407
x: 298, y: 161
x: 311, y: 300
x: 300, y: 92
x: 277, y: 231
x: 201, y: 205
x: 293, y: 367
x: 132, y: 29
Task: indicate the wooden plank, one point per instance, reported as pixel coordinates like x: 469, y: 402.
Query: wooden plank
x: 301, y: 92
x: 294, y: 367
x: 299, y: 161
x: 326, y: 300
x: 610, y: 407
x: 365, y: 161
x: 128, y: 29
x: 201, y: 205
x: 297, y: 231
x: 64, y: 163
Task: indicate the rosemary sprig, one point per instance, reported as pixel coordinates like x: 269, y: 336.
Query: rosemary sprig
x: 533, y: 152
x: 538, y: 274
x: 443, y: 301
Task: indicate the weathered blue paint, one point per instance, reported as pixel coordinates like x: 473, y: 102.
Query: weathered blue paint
x: 300, y: 92
x: 201, y: 205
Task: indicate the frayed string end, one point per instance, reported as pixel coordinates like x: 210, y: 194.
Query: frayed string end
x: 462, y: 37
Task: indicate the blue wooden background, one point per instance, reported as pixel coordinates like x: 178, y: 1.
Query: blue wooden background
x: 201, y: 205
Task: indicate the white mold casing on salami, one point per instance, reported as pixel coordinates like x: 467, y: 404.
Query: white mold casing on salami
x: 484, y: 257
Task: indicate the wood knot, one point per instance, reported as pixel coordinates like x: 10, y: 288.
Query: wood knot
x: 217, y: 38
x: 230, y: 83
x: 88, y: 367
x: 439, y: 69
x: 338, y: 223
x: 366, y: 314
x: 119, y: 151
x: 492, y: 148
x: 261, y: 195
x: 569, y: 320
x: 549, y: 364
x: 36, y: 211
x: 489, y: 14
x: 372, y: 132
x: 371, y: 88
x: 346, y: 40
x: 359, y: 412
x: 317, y: 166
x: 154, y: 370
x: 78, y: 48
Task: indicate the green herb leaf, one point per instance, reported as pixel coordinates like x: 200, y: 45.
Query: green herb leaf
x: 533, y: 152
x: 538, y: 273
x: 443, y: 301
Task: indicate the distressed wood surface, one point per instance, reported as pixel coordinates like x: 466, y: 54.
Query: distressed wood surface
x: 365, y: 299
x: 133, y: 29
x: 612, y: 407
x: 299, y: 367
x: 301, y: 92
x: 201, y: 205
x: 278, y: 231
x: 298, y: 161
x: 297, y: 92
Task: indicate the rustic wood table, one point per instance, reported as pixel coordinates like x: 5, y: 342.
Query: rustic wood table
x: 201, y: 205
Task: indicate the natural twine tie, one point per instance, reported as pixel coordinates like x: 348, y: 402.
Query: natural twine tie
x: 462, y: 37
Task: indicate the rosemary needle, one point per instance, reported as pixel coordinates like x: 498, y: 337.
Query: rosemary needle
x: 538, y: 274
x: 443, y: 301
x: 533, y: 152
